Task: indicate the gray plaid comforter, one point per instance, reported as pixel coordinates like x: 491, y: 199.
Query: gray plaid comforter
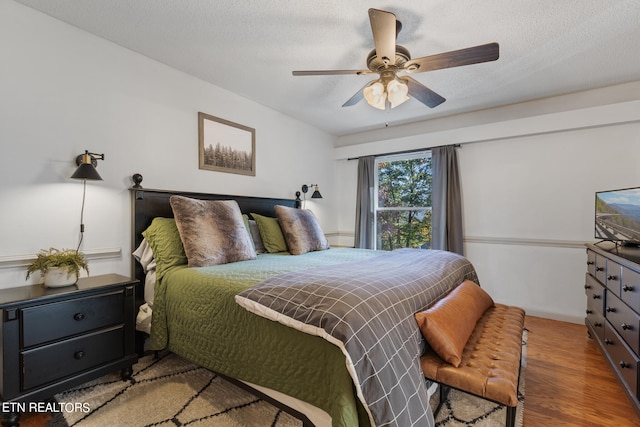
x: 367, y: 309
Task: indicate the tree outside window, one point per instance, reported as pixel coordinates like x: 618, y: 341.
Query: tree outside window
x: 403, y: 205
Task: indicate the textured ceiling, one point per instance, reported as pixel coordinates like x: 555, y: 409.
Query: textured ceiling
x: 547, y: 47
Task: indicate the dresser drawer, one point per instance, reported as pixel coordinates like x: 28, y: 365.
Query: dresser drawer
x: 625, y: 321
x: 591, y: 262
x: 614, y: 273
x: 55, y: 361
x: 630, y: 289
x: 44, y: 323
x: 600, y: 268
x: 595, y: 319
x: 595, y: 293
x: 625, y: 361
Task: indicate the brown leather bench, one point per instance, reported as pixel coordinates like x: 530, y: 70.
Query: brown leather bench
x: 490, y: 361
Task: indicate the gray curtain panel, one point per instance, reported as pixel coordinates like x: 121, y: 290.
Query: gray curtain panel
x: 446, y: 202
x: 364, y: 203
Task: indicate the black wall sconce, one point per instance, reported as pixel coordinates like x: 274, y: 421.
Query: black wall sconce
x: 305, y: 189
x: 86, y: 163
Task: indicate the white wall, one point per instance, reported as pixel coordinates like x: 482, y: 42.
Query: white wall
x: 528, y: 184
x: 529, y: 205
x: 63, y: 91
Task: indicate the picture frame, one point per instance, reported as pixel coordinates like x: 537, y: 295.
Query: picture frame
x: 225, y: 146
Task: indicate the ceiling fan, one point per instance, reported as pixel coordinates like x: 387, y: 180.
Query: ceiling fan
x: 389, y: 59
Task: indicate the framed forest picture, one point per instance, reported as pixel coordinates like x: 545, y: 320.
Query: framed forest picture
x: 225, y: 146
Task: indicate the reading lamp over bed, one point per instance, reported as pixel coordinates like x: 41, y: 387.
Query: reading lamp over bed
x: 305, y: 189
x: 87, y: 163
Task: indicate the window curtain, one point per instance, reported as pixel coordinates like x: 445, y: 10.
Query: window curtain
x: 364, y: 203
x: 446, y: 205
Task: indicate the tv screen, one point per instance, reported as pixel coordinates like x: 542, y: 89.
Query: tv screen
x: 618, y: 215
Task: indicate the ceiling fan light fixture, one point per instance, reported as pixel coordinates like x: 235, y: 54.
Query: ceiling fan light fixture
x: 388, y: 58
x: 375, y: 95
x: 397, y: 92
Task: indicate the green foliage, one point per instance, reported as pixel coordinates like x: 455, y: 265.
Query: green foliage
x: 69, y: 259
x: 404, y: 184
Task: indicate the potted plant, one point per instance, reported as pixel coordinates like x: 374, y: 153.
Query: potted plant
x: 59, y: 267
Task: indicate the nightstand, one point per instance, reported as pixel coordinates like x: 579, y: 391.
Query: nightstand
x: 53, y: 339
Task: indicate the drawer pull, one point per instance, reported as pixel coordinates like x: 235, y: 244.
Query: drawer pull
x: 589, y: 311
x: 587, y: 286
x: 79, y: 316
x: 79, y: 354
x: 610, y: 310
x: 590, y: 262
x: 612, y: 277
x: 599, y: 268
x: 598, y: 325
x: 627, y: 288
x: 626, y: 327
x: 608, y: 341
x: 624, y: 365
x: 596, y: 296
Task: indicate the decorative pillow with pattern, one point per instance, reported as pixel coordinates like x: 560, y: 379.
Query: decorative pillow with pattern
x: 212, y: 231
x: 301, y: 230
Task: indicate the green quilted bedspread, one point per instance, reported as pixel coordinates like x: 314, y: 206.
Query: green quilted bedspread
x: 195, y: 316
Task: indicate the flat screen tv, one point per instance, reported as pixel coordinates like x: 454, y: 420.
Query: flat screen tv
x: 618, y: 215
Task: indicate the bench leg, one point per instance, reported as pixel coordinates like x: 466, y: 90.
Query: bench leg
x: 444, y: 394
x: 511, y: 416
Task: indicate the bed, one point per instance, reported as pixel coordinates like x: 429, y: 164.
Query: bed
x: 196, y: 315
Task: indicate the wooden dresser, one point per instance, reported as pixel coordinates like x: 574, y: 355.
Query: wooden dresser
x: 612, y: 285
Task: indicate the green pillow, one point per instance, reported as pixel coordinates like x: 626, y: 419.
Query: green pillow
x: 164, y: 239
x: 271, y: 234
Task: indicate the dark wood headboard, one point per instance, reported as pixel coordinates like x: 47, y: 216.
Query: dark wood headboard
x: 147, y: 204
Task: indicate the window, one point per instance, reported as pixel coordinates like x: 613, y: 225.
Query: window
x: 403, y: 203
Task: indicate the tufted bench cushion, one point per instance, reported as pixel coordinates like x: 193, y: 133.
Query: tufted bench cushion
x: 490, y: 365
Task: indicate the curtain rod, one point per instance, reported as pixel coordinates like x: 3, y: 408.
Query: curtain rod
x: 415, y: 150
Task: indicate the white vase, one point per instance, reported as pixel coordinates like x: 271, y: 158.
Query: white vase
x: 56, y: 277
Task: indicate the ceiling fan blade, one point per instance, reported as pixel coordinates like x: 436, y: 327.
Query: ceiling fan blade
x: 455, y: 58
x: 329, y: 72
x: 357, y: 97
x: 383, y: 27
x: 422, y: 93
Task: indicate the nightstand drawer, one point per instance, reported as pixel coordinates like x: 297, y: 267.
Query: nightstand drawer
x: 44, y: 323
x: 52, y: 362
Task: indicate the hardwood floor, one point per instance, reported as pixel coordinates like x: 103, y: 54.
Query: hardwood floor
x: 568, y: 382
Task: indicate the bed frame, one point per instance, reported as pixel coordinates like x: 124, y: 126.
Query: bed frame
x: 147, y: 204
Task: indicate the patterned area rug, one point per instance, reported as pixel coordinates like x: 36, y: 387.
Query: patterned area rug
x: 173, y: 392
x: 168, y: 391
